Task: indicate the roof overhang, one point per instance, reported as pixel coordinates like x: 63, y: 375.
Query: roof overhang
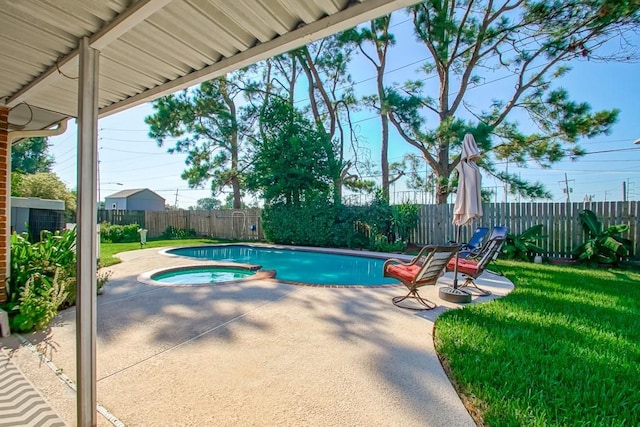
x: 150, y: 48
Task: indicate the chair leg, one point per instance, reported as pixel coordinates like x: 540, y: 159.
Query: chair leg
x: 496, y: 270
x: 413, y: 294
x: 472, y: 287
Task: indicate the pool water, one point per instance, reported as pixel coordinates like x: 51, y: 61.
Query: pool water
x: 198, y: 275
x: 298, y: 266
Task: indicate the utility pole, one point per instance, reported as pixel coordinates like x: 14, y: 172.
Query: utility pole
x: 624, y: 191
x: 566, y: 188
x: 176, y: 202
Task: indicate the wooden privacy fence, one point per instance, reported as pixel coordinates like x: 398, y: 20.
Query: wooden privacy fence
x: 244, y: 224
x: 560, y: 221
x: 121, y: 217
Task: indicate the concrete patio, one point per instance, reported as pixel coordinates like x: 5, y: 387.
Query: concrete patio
x: 254, y: 353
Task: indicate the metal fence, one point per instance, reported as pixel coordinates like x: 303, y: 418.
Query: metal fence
x: 44, y: 219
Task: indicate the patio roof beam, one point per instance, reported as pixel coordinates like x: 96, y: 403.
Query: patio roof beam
x: 122, y: 23
x: 350, y: 17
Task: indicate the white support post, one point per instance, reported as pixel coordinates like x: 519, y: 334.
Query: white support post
x: 5, y: 331
x: 86, y: 306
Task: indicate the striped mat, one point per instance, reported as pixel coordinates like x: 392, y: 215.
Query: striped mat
x: 20, y: 402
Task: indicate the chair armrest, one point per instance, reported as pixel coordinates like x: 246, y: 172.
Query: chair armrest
x: 413, y: 261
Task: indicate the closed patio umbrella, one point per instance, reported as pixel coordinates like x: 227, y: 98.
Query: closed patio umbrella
x: 467, y: 207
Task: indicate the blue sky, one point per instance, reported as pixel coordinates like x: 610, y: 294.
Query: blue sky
x: 128, y: 157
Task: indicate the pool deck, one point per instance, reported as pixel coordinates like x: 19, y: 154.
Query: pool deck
x: 258, y: 352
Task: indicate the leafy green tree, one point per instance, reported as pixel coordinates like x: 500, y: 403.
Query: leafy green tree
x: 211, y: 127
x: 331, y: 99
x: 46, y: 186
x: 31, y: 156
x: 527, y: 46
x: 294, y: 159
x: 207, y: 204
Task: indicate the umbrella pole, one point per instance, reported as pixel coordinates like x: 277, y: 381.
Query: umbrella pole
x: 452, y: 293
x: 455, y: 267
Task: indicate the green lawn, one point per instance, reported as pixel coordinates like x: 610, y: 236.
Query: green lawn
x: 108, y: 250
x: 562, y: 349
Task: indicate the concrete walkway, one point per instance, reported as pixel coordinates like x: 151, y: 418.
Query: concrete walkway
x: 20, y: 403
x: 254, y: 353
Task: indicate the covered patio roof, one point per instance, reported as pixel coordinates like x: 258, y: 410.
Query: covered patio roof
x: 149, y: 48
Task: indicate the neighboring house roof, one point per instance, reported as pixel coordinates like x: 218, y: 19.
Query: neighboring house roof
x: 130, y: 192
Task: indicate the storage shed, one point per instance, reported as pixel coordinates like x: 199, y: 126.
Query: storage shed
x: 33, y: 214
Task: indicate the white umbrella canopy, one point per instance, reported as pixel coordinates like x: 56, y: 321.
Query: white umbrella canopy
x: 468, y: 205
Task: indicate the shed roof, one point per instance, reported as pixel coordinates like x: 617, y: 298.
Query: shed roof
x: 149, y: 48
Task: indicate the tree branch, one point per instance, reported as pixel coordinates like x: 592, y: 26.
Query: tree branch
x: 427, y: 156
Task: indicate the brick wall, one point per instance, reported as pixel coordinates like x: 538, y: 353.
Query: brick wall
x: 5, y: 193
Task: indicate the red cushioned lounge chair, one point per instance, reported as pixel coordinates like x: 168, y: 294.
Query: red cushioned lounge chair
x: 472, y: 268
x: 424, y: 269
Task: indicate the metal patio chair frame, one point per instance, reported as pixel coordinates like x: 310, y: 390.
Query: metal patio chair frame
x: 473, y: 266
x: 423, y: 270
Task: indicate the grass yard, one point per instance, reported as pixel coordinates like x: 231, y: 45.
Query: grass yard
x: 108, y: 250
x: 563, y: 349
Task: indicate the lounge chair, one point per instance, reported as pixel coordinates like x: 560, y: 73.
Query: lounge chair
x: 473, y: 266
x: 474, y: 244
x: 424, y: 269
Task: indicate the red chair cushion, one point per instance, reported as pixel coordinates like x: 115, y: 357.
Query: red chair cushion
x: 404, y: 272
x: 465, y: 266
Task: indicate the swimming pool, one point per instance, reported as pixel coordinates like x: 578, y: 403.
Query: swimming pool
x: 291, y: 265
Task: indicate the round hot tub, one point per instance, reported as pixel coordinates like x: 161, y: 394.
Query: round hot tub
x: 202, y: 275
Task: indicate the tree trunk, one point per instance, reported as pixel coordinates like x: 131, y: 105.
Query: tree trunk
x: 384, y: 155
x: 442, y: 193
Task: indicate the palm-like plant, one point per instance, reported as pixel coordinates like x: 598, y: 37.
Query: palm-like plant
x: 604, y: 246
x: 523, y: 245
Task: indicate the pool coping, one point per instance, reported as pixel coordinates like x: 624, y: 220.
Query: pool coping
x: 335, y: 251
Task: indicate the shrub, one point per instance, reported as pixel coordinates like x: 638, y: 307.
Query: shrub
x: 310, y: 223
x: 377, y: 227
x: 380, y: 243
x: 36, y: 305
x: 53, y: 255
x: 348, y: 230
x: 38, y: 277
x: 404, y: 219
x: 523, y: 246
x: 175, y: 233
x: 602, y: 245
x: 102, y: 278
x: 113, y: 233
x: 42, y: 278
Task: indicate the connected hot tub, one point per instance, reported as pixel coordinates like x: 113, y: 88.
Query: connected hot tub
x: 203, y: 275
